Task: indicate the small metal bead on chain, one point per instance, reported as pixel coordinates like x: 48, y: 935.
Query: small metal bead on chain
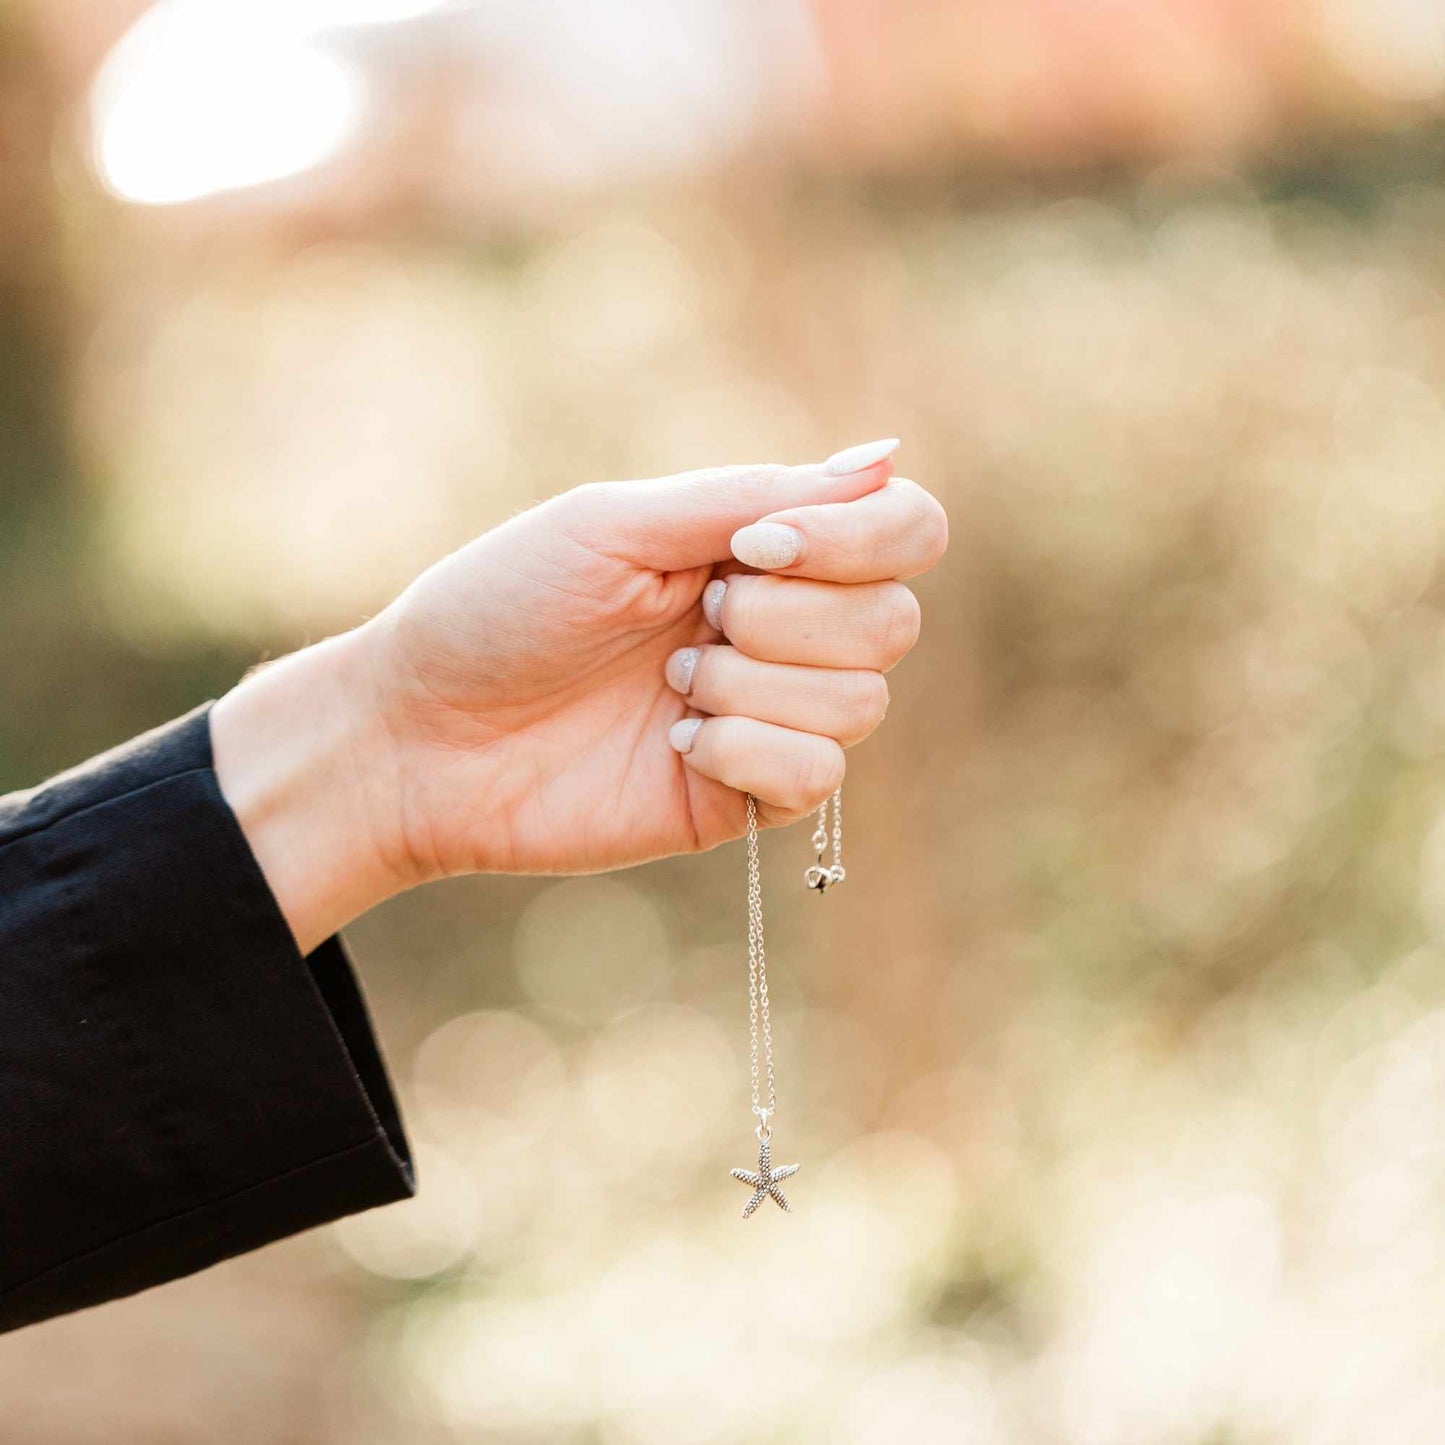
x: 818, y: 877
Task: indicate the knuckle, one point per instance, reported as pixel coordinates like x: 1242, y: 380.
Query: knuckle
x: 589, y: 499
x: 927, y: 524
x: 584, y: 513
x: 899, y: 622
x: 865, y: 702
x: 872, y: 702
x: 817, y: 771
x: 934, y: 526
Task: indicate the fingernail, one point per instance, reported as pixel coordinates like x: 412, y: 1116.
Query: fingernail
x: 767, y: 545
x: 865, y: 454
x: 682, y: 734
x: 680, y: 668
x: 712, y: 601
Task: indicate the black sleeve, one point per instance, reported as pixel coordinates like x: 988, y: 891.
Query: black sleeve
x: 177, y: 1083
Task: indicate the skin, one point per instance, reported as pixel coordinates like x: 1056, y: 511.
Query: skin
x: 510, y: 711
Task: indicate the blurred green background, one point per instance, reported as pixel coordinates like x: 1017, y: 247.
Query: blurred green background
x: 1117, y: 1069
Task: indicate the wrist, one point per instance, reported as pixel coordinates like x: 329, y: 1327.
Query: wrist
x: 304, y: 761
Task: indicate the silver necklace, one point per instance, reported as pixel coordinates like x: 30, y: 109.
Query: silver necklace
x: 764, y: 1180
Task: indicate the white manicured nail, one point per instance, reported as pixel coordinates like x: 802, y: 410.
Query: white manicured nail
x: 712, y: 601
x: 767, y: 545
x: 680, y: 668
x: 682, y: 734
x: 855, y: 459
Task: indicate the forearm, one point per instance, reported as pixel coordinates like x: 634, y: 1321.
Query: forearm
x: 303, y: 760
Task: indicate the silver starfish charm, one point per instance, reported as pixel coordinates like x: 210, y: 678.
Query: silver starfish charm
x: 765, y: 1180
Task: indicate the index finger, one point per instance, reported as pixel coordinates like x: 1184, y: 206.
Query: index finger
x: 897, y: 531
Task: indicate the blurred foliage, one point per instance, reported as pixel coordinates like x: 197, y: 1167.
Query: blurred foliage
x: 72, y: 684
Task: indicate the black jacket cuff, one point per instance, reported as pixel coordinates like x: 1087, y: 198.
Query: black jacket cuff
x: 177, y: 1083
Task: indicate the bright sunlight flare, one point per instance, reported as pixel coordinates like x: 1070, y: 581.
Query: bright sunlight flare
x: 201, y: 97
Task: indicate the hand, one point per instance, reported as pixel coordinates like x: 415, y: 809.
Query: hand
x: 555, y: 697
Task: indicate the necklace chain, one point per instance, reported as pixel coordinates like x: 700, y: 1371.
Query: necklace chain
x: 836, y: 873
x: 759, y: 1011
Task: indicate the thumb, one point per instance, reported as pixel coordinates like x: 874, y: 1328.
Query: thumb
x: 669, y: 524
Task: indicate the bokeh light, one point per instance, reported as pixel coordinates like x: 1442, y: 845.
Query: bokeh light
x: 200, y: 98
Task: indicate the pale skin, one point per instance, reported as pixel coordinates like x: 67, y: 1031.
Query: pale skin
x: 515, y: 709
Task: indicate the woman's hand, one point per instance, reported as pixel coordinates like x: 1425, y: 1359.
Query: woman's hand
x: 585, y: 686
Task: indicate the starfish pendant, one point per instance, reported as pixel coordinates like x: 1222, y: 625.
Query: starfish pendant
x: 765, y: 1180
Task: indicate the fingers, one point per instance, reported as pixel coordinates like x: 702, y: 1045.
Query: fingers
x: 804, y: 675
x: 868, y: 625
x: 669, y: 524
x: 897, y: 530
x: 845, y: 705
x: 789, y: 770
